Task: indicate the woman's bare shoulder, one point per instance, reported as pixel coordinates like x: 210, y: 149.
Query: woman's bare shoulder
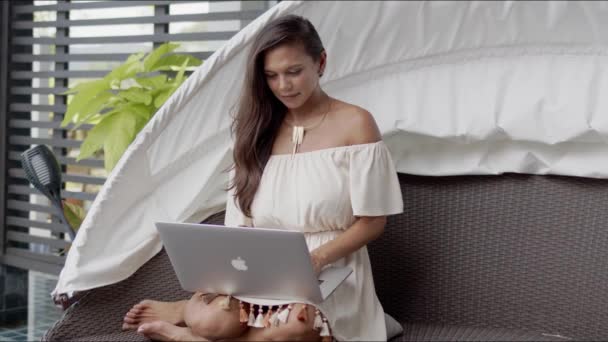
x: 358, y: 124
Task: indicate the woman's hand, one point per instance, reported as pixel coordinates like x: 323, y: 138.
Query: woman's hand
x: 364, y: 230
x: 317, y: 263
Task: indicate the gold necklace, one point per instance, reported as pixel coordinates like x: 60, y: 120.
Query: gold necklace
x: 297, y: 134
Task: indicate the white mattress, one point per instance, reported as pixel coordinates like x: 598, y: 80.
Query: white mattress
x: 456, y: 88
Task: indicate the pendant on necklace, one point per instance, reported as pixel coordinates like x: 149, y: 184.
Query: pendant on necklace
x: 297, y: 137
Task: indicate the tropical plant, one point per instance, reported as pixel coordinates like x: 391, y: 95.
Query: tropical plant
x: 120, y: 104
x: 74, y: 213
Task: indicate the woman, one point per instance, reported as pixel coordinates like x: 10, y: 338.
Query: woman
x: 303, y: 161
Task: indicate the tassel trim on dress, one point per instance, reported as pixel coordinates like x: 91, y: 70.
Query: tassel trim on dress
x: 275, y: 317
x: 243, y: 317
x: 318, y: 323
x: 251, y: 319
x: 303, y: 314
x: 259, y: 321
x: 284, y: 314
x: 267, y: 318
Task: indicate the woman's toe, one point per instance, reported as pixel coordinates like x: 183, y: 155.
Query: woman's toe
x: 135, y: 310
x: 159, y: 330
x: 127, y: 326
x: 152, y: 327
x: 144, y: 303
x: 130, y: 320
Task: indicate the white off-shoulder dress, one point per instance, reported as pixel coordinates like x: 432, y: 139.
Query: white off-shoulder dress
x: 321, y: 193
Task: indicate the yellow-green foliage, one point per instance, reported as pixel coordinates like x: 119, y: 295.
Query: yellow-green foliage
x: 120, y: 104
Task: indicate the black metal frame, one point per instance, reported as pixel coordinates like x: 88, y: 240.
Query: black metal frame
x: 61, y: 100
x: 160, y: 29
x: 14, y: 309
x: 4, y: 58
x: 17, y: 89
x: 11, y: 255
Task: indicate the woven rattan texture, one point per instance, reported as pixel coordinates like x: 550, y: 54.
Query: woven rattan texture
x: 98, y: 315
x: 471, y: 258
x: 441, y: 333
x: 512, y: 251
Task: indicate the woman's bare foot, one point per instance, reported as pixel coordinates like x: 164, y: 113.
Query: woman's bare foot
x: 163, y: 331
x: 148, y: 311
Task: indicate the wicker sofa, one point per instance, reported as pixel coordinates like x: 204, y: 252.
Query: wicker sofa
x: 509, y: 257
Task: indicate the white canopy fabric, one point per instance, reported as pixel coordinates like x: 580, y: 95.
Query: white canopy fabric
x: 456, y: 88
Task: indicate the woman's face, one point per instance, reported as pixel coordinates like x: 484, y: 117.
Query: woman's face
x: 292, y: 74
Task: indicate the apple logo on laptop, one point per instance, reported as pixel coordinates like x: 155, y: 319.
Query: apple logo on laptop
x: 239, y: 264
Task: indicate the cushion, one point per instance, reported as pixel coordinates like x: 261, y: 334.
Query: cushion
x: 393, y: 328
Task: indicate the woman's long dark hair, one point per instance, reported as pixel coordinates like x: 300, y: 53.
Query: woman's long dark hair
x: 259, y: 113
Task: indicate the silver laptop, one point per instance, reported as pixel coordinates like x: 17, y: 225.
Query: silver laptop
x: 256, y: 262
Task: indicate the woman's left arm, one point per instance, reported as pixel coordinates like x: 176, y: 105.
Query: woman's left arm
x: 362, y: 129
x: 365, y: 230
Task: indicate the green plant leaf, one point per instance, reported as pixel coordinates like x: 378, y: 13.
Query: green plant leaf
x: 175, y: 83
x: 155, y: 55
x: 74, y: 213
x: 84, y: 92
x: 180, y: 74
x: 94, y: 119
x: 162, y: 97
x: 153, y: 82
x: 95, y: 106
x: 96, y: 137
x: 115, y: 100
x: 136, y: 95
x: 128, y: 69
x: 123, y: 102
x: 157, y: 91
x: 113, y: 133
x: 142, y: 111
x: 141, y: 123
x: 173, y: 62
x: 123, y: 128
x: 83, y: 86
